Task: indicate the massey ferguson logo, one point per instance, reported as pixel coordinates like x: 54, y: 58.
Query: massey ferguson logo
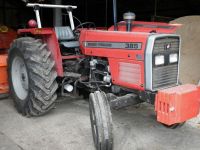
x: 115, y: 45
x: 167, y: 46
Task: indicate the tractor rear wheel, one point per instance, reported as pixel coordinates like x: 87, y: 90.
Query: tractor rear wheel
x: 32, y: 76
x: 101, y: 121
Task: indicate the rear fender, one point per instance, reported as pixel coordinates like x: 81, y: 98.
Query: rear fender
x: 49, y: 37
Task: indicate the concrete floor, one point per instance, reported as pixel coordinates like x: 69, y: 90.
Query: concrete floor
x: 68, y: 128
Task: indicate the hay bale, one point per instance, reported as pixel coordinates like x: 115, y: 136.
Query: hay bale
x: 190, y: 50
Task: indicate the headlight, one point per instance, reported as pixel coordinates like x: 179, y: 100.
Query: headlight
x: 173, y: 58
x: 159, y: 60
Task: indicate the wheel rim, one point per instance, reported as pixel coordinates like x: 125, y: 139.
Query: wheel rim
x: 94, y: 126
x: 19, y: 77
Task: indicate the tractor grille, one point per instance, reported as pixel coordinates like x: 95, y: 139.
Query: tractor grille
x: 160, y: 44
x: 167, y: 74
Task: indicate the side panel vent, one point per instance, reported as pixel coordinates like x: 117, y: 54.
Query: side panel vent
x: 130, y: 73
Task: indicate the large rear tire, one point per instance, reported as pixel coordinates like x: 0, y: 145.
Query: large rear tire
x: 32, y: 76
x: 101, y: 121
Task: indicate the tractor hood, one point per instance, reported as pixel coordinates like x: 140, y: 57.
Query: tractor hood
x: 148, y: 27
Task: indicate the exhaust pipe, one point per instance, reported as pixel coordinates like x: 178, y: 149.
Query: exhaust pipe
x: 115, y: 15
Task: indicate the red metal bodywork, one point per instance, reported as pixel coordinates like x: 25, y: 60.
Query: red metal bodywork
x: 140, y: 26
x: 177, y: 104
x: 49, y: 36
x: 6, y: 38
x: 116, y: 57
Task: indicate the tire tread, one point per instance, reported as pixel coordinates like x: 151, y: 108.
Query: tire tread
x: 42, y: 76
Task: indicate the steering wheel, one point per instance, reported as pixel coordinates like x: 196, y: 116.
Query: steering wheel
x: 88, y: 24
x: 84, y: 24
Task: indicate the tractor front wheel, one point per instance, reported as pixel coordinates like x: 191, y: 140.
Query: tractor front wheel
x: 101, y: 121
x: 32, y: 76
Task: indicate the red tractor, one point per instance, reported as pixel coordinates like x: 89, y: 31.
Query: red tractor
x: 130, y: 63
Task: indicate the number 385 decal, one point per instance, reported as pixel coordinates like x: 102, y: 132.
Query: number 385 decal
x: 135, y: 46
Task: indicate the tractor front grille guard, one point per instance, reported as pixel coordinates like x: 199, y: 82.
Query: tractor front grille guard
x: 166, y: 72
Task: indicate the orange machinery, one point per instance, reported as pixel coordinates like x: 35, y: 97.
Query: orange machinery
x: 3, y: 74
x: 6, y: 37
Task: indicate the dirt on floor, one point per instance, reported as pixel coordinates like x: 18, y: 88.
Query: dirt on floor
x: 68, y: 128
x: 190, y: 50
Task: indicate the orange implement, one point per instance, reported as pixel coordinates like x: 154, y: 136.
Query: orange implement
x: 7, y: 35
x: 177, y: 104
x: 3, y: 74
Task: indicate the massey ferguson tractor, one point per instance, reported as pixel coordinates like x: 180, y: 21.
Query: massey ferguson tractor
x: 129, y: 63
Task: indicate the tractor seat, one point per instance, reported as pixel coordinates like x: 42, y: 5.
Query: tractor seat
x: 66, y: 37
